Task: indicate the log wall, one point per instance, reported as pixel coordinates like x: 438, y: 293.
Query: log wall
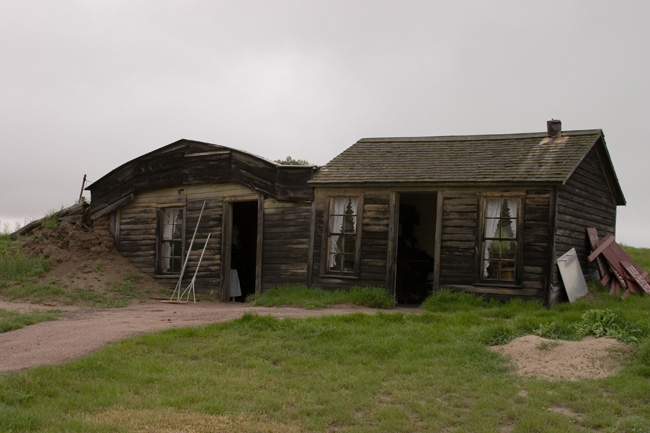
x: 460, y: 244
x: 137, y: 225
x: 374, y: 221
x: 585, y: 200
x: 458, y: 241
x: 285, y: 243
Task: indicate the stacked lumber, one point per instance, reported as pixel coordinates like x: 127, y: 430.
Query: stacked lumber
x: 616, y: 269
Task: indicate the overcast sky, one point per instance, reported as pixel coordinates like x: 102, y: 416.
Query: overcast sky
x: 88, y: 85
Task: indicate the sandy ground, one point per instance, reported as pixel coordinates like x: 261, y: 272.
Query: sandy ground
x: 85, y: 330
x: 554, y: 359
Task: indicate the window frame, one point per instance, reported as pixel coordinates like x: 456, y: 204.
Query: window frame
x: 518, y: 261
x: 327, y: 235
x: 160, y: 241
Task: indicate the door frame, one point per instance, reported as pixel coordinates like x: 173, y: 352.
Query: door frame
x: 393, y: 238
x: 226, y: 243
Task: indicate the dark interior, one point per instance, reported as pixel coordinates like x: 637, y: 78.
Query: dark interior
x: 244, y: 245
x: 415, y: 248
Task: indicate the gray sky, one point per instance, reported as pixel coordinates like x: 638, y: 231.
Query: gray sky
x: 88, y: 85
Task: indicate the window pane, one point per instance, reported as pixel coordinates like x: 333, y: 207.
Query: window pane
x: 343, y: 212
x: 349, y: 244
x: 499, y: 239
x: 349, y: 264
x: 342, y: 226
x: 171, y: 249
x: 490, y: 269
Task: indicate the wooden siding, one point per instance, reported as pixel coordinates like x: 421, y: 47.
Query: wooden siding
x: 458, y: 241
x: 137, y: 229
x: 374, y: 239
x: 538, y: 234
x: 375, y: 219
x: 460, y: 249
x: 285, y: 243
x: 585, y: 200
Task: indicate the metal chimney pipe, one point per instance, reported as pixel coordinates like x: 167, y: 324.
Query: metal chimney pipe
x: 554, y: 128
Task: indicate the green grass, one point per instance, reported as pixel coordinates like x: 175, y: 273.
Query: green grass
x: 15, y: 265
x: 118, y: 293
x: 51, y: 220
x: 640, y: 255
x: 10, y: 320
x: 314, y: 298
x: 389, y: 372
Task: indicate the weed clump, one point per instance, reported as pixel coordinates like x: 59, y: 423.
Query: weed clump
x: 447, y: 301
x: 498, y: 335
x: 609, y: 323
x: 51, y: 220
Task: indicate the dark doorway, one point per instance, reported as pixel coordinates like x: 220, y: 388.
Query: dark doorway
x: 415, y: 247
x: 244, y: 246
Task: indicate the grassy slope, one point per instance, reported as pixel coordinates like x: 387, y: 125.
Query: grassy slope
x: 18, y: 276
x: 640, y: 255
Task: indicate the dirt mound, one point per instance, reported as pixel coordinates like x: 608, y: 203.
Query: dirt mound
x: 81, y: 254
x: 553, y: 359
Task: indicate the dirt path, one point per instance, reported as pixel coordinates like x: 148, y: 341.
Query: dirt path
x: 84, y: 331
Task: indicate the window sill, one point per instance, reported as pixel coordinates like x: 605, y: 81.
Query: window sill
x: 340, y: 276
x: 504, y: 284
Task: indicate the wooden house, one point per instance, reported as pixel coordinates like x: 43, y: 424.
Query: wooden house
x: 486, y: 214
x: 258, y: 214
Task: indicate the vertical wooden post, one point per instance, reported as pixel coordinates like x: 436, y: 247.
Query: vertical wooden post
x: 438, y: 242
x: 551, y: 264
x: 260, y: 245
x: 226, y: 249
x: 393, y: 233
x: 83, y: 184
x: 312, y: 234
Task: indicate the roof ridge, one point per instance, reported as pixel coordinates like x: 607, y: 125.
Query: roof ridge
x: 475, y: 137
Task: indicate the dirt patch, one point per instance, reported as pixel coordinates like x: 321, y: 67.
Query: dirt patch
x: 174, y: 421
x: 572, y: 360
x: 83, y: 256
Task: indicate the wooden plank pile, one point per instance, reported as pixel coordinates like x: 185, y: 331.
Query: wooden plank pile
x: 616, y: 269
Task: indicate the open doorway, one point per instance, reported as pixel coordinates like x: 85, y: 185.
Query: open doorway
x: 416, y: 247
x: 243, y: 249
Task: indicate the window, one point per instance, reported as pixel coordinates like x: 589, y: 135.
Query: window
x: 342, y: 235
x: 500, y: 239
x: 170, y: 230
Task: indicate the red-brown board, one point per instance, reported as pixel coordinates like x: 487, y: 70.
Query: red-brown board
x: 628, y: 273
x: 594, y: 241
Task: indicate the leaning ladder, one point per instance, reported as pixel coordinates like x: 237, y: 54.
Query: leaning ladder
x: 176, y: 294
x: 191, y: 285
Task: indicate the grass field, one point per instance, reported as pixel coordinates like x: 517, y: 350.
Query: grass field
x: 389, y: 372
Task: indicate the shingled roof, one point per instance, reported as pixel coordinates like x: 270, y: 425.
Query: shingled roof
x: 457, y: 160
